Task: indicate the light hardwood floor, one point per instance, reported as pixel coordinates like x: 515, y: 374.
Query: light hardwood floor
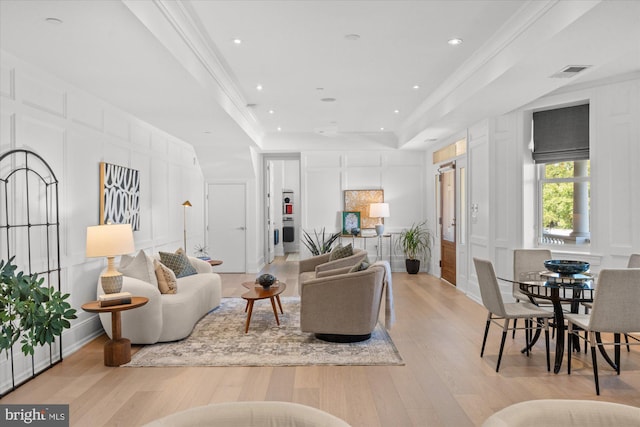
x: 444, y: 382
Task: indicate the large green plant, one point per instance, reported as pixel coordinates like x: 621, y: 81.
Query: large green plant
x: 322, y: 243
x: 30, y: 312
x: 415, y: 242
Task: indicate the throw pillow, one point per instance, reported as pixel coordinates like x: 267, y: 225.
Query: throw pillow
x: 361, y: 266
x: 179, y: 263
x: 139, y: 267
x: 167, y: 283
x: 341, y: 252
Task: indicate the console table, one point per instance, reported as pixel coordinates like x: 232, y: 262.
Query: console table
x: 364, y: 239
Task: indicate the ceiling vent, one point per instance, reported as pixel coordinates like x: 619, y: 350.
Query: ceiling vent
x: 569, y: 71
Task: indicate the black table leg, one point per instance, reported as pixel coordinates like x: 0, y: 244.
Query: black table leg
x: 559, y: 319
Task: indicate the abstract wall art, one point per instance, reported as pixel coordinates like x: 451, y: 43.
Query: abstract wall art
x: 119, y: 195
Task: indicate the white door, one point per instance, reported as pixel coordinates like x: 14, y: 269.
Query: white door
x: 227, y: 226
x: 271, y: 250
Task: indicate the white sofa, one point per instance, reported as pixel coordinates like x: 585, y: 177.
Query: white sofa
x: 167, y: 317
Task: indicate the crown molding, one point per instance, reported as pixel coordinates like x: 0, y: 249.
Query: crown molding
x: 175, y: 27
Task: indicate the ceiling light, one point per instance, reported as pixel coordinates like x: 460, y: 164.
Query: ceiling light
x: 271, y: 111
x: 352, y: 37
x: 279, y: 128
x: 237, y: 41
x: 416, y: 87
x: 327, y: 99
x: 53, y: 21
x: 396, y: 111
x: 455, y: 42
x: 381, y: 128
x: 259, y: 87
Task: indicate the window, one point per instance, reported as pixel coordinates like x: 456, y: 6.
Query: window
x: 561, y: 150
x: 564, y: 202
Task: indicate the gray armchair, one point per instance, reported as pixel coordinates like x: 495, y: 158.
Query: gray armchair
x: 343, y: 307
x: 319, y: 265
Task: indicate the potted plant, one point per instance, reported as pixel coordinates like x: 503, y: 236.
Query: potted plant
x: 30, y: 312
x: 415, y: 243
x: 322, y: 243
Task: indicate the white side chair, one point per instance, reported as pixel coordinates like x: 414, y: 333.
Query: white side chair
x: 616, y: 309
x: 498, y: 310
x: 526, y: 261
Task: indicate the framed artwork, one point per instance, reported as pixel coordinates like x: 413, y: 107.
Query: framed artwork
x: 350, y: 220
x: 119, y: 195
x: 359, y: 201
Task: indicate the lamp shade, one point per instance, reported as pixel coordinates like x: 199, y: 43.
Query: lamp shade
x: 109, y: 240
x: 379, y: 210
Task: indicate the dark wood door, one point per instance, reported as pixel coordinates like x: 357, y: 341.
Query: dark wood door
x: 448, y: 224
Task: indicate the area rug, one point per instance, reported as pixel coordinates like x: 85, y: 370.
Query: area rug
x: 219, y: 340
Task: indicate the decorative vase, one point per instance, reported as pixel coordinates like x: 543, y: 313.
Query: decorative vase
x: 266, y: 280
x: 355, y: 231
x: 412, y: 265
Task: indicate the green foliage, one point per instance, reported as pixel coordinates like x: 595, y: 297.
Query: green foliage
x: 30, y: 312
x: 322, y: 243
x: 557, y: 197
x: 415, y: 242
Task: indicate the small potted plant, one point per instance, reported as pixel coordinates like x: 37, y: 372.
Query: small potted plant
x: 322, y: 243
x: 415, y: 243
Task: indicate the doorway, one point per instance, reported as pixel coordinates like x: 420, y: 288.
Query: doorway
x: 227, y: 226
x: 447, y: 222
x: 282, y: 201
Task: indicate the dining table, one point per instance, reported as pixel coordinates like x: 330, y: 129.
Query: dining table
x: 561, y: 290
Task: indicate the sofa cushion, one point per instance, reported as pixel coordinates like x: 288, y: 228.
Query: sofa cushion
x: 167, y: 283
x: 139, y: 267
x: 178, y: 262
x: 341, y: 252
x: 361, y: 266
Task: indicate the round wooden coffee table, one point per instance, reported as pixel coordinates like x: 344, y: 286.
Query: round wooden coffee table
x: 257, y: 292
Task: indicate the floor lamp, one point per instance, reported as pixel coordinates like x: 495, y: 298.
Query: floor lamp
x: 185, y: 205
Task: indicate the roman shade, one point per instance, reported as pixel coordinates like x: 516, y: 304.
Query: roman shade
x: 561, y: 134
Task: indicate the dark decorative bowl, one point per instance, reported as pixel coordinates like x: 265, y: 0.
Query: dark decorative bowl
x: 355, y: 231
x: 563, y: 266
x: 266, y: 280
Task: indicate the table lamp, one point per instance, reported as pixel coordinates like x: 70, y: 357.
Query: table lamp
x: 110, y: 241
x: 379, y: 210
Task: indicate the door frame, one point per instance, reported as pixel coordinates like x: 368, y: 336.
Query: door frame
x: 264, y: 199
x: 449, y: 167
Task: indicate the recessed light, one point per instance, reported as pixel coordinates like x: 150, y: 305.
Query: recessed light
x: 53, y: 21
x: 279, y: 128
x: 455, y: 42
x: 259, y: 87
x: 352, y: 37
x: 271, y: 111
x: 381, y: 128
x: 416, y: 87
x: 237, y: 41
x: 396, y: 111
x: 327, y: 99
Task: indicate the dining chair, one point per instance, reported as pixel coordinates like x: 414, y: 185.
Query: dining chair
x: 615, y: 310
x: 527, y: 261
x: 498, y: 310
x: 633, y: 262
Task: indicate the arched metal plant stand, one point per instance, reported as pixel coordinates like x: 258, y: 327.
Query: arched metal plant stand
x: 30, y: 231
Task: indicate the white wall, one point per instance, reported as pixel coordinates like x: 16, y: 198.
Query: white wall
x: 325, y: 176
x: 502, y: 182
x: 74, y: 131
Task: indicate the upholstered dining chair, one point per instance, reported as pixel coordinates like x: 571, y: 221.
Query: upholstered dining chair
x: 526, y: 261
x: 634, y: 262
x: 615, y: 310
x: 498, y: 310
